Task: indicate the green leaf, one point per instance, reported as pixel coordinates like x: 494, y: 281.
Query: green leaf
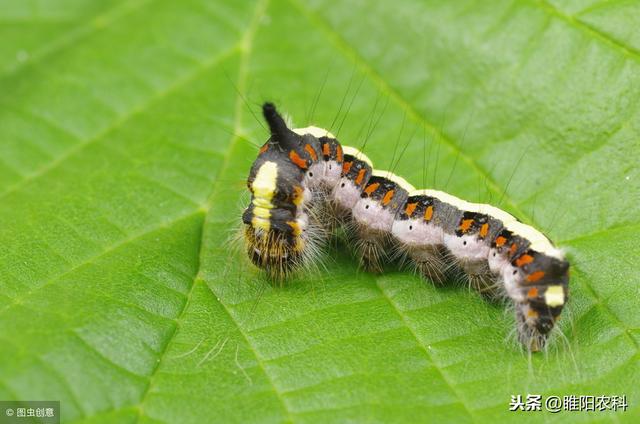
x: 123, y: 154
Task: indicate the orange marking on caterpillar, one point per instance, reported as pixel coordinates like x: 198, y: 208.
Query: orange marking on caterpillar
x: 346, y: 167
x: 339, y: 154
x: 513, y: 248
x: 523, y: 260
x: 484, y: 230
x: 465, y: 225
x: 296, y: 159
x: 535, y: 276
x: 325, y: 149
x: 428, y: 213
x: 311, y: 152
x: 360, y: 176
x: 533, y: 292
x: 500, y: 241
x: 371, y: 187
x: 411, y: 207
x: 264, y: 148
x: 532, y: 314
x: 387, y: 197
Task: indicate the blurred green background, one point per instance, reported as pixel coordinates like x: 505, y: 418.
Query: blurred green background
x: 126, y: 131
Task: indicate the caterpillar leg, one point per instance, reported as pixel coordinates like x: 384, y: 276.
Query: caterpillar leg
x: 371, y: 248
x: 428, y: 261
x: 383, y: 195
x: 480, y: 278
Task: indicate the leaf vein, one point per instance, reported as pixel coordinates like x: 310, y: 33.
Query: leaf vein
x: 589, y: 29
x: 122, y: 120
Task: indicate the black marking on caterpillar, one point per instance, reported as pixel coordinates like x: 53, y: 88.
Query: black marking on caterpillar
x: 304, y: 180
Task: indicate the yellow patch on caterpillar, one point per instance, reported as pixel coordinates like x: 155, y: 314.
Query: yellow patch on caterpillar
x: 262, y: 208
x: 261, y: 223
x: 263, y: 188
x: 297, y: 230
x: 300, y: 244
x: 264, y: 184
x: 298, y: 195
x: 554, y: 296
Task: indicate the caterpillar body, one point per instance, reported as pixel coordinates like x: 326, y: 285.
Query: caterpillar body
x: 304, y: 183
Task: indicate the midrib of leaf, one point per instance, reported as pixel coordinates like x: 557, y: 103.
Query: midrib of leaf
x: 351, y: 53
x: 70, y: 37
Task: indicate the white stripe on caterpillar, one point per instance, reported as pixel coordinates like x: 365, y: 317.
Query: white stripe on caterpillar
x: 348, y: 150
x: 395, y: 178
x: 314, y: 131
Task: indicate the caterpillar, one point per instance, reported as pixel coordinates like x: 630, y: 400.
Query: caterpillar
x: 304, y: 183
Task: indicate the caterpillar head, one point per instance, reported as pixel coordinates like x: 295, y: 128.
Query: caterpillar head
x: 275, y: 221
x: 538, y: 283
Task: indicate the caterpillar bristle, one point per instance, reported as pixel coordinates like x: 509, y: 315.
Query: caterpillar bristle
x: 370, y: 249
x: 429, y: 262
x: 306, y: 187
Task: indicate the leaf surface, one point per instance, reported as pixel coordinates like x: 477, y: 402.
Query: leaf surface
x: 123, y: 153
